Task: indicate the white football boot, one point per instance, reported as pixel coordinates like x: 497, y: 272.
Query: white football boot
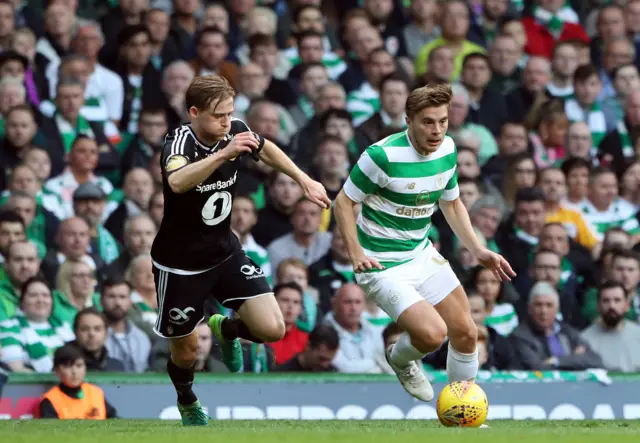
x: 412, y: 378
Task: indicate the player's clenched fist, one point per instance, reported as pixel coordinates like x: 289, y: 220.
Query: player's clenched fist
x: 364, y: 264
x: 245, y: 142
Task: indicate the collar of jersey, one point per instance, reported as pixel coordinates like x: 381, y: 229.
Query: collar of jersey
x: 202, y: 145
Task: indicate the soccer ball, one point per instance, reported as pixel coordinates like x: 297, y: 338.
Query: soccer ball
x: 462, y: 403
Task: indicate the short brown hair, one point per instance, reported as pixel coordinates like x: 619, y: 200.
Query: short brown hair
x: 206, y: 89
x: 429, y: 96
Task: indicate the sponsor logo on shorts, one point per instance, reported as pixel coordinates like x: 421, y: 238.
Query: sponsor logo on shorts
x: 217, y: 185
x: 179, y: 316
x: 251, y: 271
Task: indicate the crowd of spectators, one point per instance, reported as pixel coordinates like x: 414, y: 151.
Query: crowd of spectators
x: 545, y: 116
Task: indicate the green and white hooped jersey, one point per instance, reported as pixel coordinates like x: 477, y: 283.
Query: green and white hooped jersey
x: 33, y: 343
x: 363, y: 103
x: 334, y: 64
x: 399, y: 189
x: 620, y: 214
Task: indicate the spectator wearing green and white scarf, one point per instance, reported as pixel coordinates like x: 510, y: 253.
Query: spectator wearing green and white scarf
x: 89, y: 202
x: 551, y: 21
x: 69, y: 124
x: 103, y: 92
x: 29, y: 339
x: 586, y: 107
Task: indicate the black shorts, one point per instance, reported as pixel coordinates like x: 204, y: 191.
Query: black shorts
x: 182, y: 298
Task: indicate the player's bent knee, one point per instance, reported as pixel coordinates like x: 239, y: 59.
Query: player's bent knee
x: 184, y: 351
x: 271, y: 330
x: 465, y: 339
x: 429, y: 338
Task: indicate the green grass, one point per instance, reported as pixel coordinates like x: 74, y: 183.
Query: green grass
x: 156, y: 431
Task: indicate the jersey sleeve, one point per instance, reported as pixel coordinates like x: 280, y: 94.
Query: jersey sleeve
x: 238, y: 126
x: 451, y: 190
x: 178, y: 150
x: 368, y: 175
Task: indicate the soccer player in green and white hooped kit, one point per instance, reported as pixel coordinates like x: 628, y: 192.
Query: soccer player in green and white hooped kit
x: 398, y: 181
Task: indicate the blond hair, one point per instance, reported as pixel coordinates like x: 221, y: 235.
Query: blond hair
x: 295, y: 262
x: 63, y: 277
x: 205, y: 90
x: 429, y: 96
x: 130, y: 273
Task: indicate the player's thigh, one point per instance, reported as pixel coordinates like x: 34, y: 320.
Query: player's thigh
x: 243, y: 287
x: 454, y: 310
x: 440, y: 281
x: 180, y: 302
x: 392, y: 290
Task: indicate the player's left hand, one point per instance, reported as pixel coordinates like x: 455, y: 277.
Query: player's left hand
x: 315, y: 192
x: 500, y: 267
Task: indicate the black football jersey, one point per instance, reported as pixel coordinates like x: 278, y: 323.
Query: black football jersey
x: 195, y: 233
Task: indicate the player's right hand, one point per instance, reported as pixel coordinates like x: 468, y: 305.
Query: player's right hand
x: 245, y: 142
x: 364, y: 263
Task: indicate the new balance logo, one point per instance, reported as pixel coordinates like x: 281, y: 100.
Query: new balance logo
x: 251, y: 271
x: 180, y: 317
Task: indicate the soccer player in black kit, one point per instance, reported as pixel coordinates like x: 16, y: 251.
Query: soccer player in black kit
x: 195, y: 255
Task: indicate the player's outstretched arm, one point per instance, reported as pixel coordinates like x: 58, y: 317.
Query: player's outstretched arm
x: 187, y: 176
x: 346, y: 220
x: 273, y: 156
x: 458, y: 218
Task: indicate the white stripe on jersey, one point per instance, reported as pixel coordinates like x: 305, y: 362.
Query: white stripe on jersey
x: 177, y: 146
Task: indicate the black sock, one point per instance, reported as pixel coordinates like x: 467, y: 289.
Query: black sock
x: 183, y: 381
x: 235, y: 328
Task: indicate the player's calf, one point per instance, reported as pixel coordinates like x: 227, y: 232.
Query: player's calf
x: 462, y: 356
x: 180, y: 367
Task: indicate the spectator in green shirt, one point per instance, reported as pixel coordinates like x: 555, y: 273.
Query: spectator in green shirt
x: 12, y: 229
x: 624, y: 268
x: 75, y: 290
x: 29, y: 339
x: 22, y: 263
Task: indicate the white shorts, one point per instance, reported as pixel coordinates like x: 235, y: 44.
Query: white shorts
x: 427, y: 277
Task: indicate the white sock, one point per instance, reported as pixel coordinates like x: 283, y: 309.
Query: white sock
x: 461, y: 367
x: 403, y: 352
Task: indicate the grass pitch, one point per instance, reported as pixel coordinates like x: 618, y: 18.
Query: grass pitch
x: 383, y: 431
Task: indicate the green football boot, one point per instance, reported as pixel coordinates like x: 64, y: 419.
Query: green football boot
x: 193, y: 414
x: 231, y: 349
